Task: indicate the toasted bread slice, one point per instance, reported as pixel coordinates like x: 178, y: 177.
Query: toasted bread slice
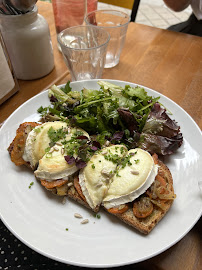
x: 145, y: 225
x: 73, y: 194
x: 66, y: 190
x: 16, y: 148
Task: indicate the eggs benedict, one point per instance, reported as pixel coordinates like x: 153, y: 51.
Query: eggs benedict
x: 38, y: 141
x: 131, y: 180
x: 96, y: 177
x: 116, y: 176
x: 133, y: 185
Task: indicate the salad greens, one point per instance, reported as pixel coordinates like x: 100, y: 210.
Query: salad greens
x: 119, y: 114
x: 97, y: 111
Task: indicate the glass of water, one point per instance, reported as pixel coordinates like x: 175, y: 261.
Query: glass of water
x: 84, y: 51
x: 116, y: 24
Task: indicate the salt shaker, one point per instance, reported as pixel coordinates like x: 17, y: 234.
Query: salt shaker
x: 27, y: 38
x: 8, y: 82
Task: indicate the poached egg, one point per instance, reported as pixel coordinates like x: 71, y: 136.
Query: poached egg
x: 95, y: 178
x: 52, y: 164
x: 132, y: 180
x: 113, y: 182
x: 38, y: 141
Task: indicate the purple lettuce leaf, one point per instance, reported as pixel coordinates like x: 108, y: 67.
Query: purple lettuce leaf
x: 70, y: 159
x: 80, y: 164
x: 94, y: 148
x: 53, y: 99
x: 161, y: 134
x: 159, y: 123
x: 117, y: 136
x: 129, y: 120
x: 82, y: 137
x: 96, y: 144
x: 159, y: 144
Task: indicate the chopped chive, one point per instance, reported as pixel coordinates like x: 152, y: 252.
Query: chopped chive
x: 37, y: 130
x: 93, y: 166
x: 98, y: 216
x: 31, y: 184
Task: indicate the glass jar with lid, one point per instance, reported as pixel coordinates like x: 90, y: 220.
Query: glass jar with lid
x: 28, y: 42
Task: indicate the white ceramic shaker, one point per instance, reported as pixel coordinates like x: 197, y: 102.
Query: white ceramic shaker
x: 28, y: 42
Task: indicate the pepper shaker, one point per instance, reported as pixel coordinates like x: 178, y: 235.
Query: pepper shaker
x: 27, y: 38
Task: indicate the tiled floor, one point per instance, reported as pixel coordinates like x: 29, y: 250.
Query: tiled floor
x: 154, y: 13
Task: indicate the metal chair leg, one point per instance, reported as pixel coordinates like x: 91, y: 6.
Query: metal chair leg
x: 134, y: 10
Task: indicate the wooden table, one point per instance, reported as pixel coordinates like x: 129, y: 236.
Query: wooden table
x: 170, y: 63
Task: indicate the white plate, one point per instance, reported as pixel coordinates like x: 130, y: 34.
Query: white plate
x: 39, y: 219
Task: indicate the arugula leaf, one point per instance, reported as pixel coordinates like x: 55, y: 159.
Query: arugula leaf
x: 67, y: 88
x: 42, y: 110
x: 110, y: 87
x: 58, y: 93
x: 137, y: 91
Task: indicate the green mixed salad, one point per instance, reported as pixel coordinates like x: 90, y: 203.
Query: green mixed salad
x: 117, y: 114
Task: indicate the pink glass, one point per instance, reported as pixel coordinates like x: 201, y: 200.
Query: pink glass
x: 69, y: 13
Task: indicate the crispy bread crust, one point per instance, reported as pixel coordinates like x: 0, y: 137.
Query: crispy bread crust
x: 73, y: 194
x: 145, y: 225
x: 16, y: 148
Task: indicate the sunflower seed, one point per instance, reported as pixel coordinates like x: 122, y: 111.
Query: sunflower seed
x: 85, y: 221
x: 134, y: 172
x: 56, y: 148
x: 76, y: 215
x: 105, y: 173
x: 107, y: 143
x: 70, y: 184
x: 59, y: 143
x: 98, y: 185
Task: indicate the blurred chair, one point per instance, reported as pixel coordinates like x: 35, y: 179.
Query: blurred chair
x: 130, y: 4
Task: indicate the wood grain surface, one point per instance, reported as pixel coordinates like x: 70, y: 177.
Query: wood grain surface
x: 168, y: 62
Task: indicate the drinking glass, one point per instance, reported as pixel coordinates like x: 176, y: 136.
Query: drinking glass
x: 84, y: 51
x: 116, y: 23
x: 70, y: 13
